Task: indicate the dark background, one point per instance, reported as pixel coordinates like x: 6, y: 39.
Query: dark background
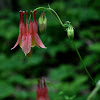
x: 59, y: 63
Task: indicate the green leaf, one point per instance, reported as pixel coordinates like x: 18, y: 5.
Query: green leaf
x: 5, y: 89
x: 90, y: 59
x: 95, y: 47
x: 21, y: 94
x: 62, y: 72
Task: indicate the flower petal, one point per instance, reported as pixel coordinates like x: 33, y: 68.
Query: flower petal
x: 18, y: 40
x: 26, y: 21
x: 33, y: 42
x: 31, y: 31
x: 38, y: 40
x: 26, y: 43
x: 21, y: 29
x: 35, y: 24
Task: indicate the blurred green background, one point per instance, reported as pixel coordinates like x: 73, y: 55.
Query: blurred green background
x: 59, y: 63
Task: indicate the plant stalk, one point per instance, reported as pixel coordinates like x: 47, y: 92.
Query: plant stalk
x: 83, y: 62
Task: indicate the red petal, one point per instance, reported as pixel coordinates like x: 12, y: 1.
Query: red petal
x: 18, y: 40
x: 26, y: 43
x: 46, y: 93
x: 38, y: 40
x: 26, y: 21
x: 19, y: 37
x: 38, y: 92
x: 35, y: 31
x: 21, y: 29
x: 31, y: 31
x: 35, y: 24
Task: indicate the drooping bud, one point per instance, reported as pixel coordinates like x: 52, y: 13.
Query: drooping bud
x: 42, y: 91
x: 70, y: 32
x: 42, y: 23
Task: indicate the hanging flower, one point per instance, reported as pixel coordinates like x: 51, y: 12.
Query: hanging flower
x: 28, y: 37
x: 42, y: 92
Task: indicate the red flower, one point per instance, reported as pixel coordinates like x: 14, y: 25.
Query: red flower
x: 42, y: 92
x: 28, y: 37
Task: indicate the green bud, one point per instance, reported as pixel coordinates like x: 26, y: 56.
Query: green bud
x: 42, y: 23
x: 70, y: 32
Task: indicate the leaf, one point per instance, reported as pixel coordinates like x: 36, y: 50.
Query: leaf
x: 90, y: 59
x: 21, y: 94
x: 62, y: 72
x: 70, y: 98
x: 5, y: 89
x: 95, y: 47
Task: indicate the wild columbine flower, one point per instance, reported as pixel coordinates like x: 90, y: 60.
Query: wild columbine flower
x: 28, y: 37
x: 42, y: 92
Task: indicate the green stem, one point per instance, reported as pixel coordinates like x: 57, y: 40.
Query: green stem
x: 57, y: 18
x: 49, y: 10
x: 83, y: 62
x: 93, y: 93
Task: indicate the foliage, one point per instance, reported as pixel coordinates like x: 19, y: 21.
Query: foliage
x: 59, y: 63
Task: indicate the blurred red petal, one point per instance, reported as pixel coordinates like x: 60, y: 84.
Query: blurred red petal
x: 42, y: 92
x: 46, y: 93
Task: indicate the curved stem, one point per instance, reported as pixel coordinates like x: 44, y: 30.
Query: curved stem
x: 57, y: 18
x: 53, y: 16
x: 83, y: 62
x: 56, y: 15
x: 49, y: 10
x: 93, y: 93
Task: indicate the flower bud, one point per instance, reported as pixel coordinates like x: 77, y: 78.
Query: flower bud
x: 42, y: 91
x: 70, y: 32
x: 42, y: 23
